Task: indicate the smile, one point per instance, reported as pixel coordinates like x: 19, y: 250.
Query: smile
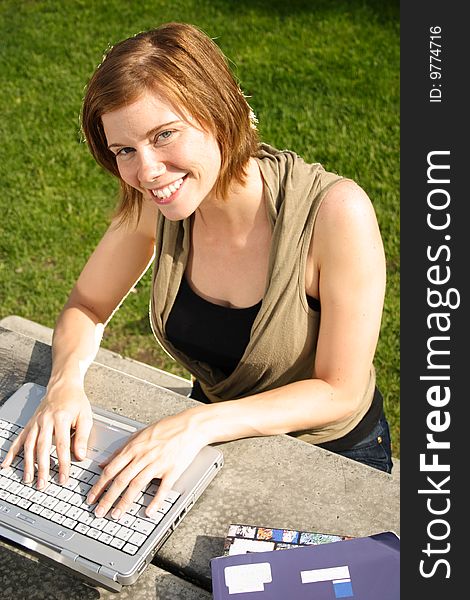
x: 165, y: 192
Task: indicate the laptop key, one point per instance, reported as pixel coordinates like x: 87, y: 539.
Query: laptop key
x: 165, y: 507
x: 64, y: 494
x: 70, y: 523
x: 47, y: 513
x: 58, y: 518
x: 13, y: 499
x: 82, y: 488
x: 75, y: 499
x: 74, y: 512
x: 26, y: 492
x: 105, y: 538
x: 142, y: 526
x: 158, y: 516
x: 85, y: 476
x: 124, y: 533
x: 53, y: 489
x: 112, y: 528
x: 38, y: 497
x: 14, y: 487
x: 17, y: 476
x: 133, y: 509
x: 4, y: 483
x: 130, y: 548
x: 82, y: 528
x: 93, y: 533
x: 62, y: 507
x: 50, y: 502
x: 137, y: 538
x: 75, y: 471
x: 117, y: 543
x: 126, y: 520
x: 99, y: 523
x: 86, y: 518
x: 172, y: 496
x: 71, y: 483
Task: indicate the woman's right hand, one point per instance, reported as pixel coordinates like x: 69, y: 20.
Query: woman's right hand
x: 64, y: 408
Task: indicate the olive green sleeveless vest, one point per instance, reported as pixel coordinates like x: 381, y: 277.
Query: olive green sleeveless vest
x: 284, y: 335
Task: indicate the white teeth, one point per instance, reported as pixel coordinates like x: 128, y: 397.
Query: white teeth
x: 167, y: 191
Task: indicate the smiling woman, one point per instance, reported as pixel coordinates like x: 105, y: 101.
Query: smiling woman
x: 183, y: 68
x: 175, y: 163
x: 268, y: 276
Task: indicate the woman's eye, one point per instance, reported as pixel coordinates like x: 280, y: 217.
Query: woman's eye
x: 163, y: 136
x: 124, y: 151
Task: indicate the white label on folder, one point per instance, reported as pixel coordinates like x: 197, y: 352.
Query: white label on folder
x: 241, y: 546
x: 241, y: 579
x: 325, y: 574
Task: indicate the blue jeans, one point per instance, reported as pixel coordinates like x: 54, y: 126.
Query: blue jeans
x: 375, y: 449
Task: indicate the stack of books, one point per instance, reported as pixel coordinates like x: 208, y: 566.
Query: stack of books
x: 310, y: 565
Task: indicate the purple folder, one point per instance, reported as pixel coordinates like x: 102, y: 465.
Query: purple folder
x: 366, y: 568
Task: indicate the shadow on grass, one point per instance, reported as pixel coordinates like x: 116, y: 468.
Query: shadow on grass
x: 383, y: 11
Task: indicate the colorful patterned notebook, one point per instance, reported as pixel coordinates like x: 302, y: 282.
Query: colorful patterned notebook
x: 243, y: 538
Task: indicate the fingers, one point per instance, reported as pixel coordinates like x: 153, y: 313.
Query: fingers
x: 164, y: 489
x: 82, y: 433
x: 43, y: 443
x: 14, y: 449
x: 29, y: 452
x: 62, y: 444
x: 126, y: 484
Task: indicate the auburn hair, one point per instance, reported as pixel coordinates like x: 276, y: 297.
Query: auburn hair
x: 185, y: 67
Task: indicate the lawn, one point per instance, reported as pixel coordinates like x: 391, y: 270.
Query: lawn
x: 323, y: 80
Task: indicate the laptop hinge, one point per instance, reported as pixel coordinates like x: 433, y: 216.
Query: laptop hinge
x: 72, y: 556
x: 93, y: 572
x: 91, y: 566
x: 108, y: 573
x: 76, y: 558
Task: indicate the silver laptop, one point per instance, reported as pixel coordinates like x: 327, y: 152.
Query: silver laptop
x: 57, y: 522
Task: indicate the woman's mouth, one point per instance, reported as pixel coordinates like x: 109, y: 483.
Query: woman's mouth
x: 166, y: 194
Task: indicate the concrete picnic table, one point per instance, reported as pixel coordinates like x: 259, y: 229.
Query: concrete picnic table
x: 275, y: 481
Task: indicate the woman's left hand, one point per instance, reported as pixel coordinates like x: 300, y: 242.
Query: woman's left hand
x: 162, y: 450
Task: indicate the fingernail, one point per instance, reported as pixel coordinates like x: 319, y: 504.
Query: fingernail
x: 61, y: 478
x: 151, y: 512
x: 91, y: 498
x: 28, y: 478
x: 40, y: 483
x: 99, y: 512
x: 116, y: 514
x: 81, y: 453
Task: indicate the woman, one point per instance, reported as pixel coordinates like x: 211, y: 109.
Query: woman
x: 268, y: 280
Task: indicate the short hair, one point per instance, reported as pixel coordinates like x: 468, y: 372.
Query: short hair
x: 185, y: 67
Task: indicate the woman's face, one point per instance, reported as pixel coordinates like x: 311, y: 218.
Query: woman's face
x: 164, y: 155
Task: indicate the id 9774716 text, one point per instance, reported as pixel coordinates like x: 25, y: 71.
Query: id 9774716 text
x: 435, y: 63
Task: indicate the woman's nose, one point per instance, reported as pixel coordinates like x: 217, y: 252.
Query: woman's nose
x: 150, y: 168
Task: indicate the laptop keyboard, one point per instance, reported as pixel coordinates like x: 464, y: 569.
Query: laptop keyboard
x: 66, y: 504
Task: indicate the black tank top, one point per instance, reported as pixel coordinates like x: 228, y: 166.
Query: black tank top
x: 208, y: 332
x: 214, y: 334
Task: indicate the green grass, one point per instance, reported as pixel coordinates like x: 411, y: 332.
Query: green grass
x: 323, y: 79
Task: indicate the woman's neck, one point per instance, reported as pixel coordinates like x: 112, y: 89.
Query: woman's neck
x: 235, y: 216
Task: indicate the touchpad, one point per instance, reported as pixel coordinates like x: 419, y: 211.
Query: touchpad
x: 104, y: 440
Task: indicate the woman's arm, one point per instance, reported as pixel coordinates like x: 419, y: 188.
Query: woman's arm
x: 119, y: 260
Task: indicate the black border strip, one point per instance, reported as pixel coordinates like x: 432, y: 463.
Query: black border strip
x: 434, y: 128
